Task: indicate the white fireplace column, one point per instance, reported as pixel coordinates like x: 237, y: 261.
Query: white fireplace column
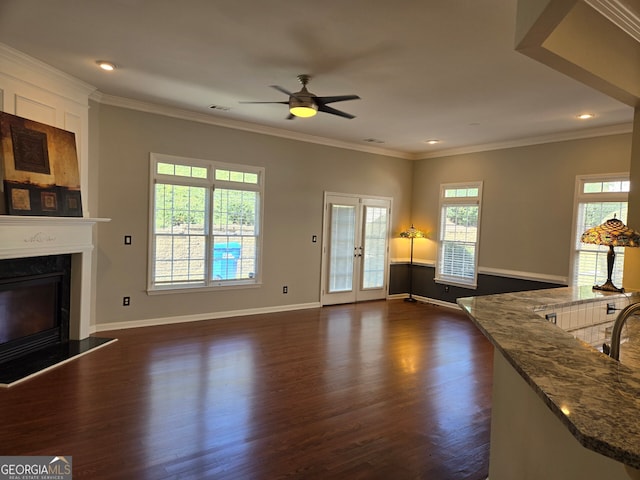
x: 27, y: 236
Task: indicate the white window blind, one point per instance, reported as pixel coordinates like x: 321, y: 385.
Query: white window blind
x: 459, y: 234
x: 341, y: 250
x: 375, y: 246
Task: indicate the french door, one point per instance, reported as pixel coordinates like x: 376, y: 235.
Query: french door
x: 355, y: 248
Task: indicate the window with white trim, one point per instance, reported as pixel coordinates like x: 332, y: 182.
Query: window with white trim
x: 459, y: 233
x: 598, y: 199
x: 205, y: 223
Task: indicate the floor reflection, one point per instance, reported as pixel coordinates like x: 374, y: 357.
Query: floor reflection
x: 204, y: 393
x: 371, y: 390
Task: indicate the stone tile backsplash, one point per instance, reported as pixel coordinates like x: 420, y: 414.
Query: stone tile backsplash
x: 587, y: 321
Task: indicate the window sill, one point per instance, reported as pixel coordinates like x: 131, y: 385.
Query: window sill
x: 456, y: 283
x: 201, y: 288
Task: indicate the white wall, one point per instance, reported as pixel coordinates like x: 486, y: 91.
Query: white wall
x: 33, y: 90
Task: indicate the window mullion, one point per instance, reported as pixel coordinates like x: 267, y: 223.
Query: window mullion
x: 209, y: 237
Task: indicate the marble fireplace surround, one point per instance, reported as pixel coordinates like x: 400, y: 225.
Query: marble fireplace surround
x: 29, y: 236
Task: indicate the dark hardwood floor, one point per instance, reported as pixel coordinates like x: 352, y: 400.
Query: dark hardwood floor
x: 388, y: 390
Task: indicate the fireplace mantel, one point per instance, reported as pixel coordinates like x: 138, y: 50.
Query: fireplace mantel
x: 31, y: 236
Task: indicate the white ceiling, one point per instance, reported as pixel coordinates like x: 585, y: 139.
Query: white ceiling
x: 423, y: 69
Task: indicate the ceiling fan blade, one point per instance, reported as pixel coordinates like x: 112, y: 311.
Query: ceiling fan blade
x: 284, y: 103
x: 333, y: 111
x: 306, y: 98
x: 287, y: 92
x: 283, y: 90
x: 337, y: 98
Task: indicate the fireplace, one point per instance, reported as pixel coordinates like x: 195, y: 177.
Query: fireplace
x: 48, y: 262
x: 34, y: 304
x: 25, y: 236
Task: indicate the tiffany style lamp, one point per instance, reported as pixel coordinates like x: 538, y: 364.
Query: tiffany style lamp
x: 411, y: 233
x: 612, y: 233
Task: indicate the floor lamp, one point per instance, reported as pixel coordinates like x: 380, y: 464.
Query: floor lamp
x: 411, y: 233
x: 612, y: 233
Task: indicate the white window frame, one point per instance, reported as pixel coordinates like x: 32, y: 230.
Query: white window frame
x: 448, y: 279
x: 211, y: 183
x: 581, y: 198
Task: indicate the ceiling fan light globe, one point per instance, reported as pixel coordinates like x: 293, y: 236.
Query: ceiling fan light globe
x: 303, y: 111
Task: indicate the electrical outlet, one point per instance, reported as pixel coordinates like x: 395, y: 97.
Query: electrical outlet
x: 551, y: 317
x: 611, y: 308
x: 285, y: 289
x: 446, y: 288
x: 126, y: 301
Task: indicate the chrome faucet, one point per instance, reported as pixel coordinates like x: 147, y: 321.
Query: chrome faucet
x: 616, y: 333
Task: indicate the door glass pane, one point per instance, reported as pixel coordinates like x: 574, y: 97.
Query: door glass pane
x: 343, y: 218
x: 375, y: 245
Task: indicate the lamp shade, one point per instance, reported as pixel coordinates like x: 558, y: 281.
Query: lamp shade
x: 302, y: 105
x: 304, y: 111
x: 412, y: 232
x: 612, y: 233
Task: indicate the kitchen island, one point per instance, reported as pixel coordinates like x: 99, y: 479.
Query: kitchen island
x: 561, y: 409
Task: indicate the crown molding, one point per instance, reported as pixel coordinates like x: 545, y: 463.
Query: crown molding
x: 619, y: 14
x: 147, y: 107
x: 26, y: 69
x: 525, y: 142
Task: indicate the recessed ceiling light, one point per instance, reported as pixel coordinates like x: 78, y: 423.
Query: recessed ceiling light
x: 432, y: 142
x: 108, y: 66
x: 373, y: 140
x: 586, y: 116
x: 219, y: 107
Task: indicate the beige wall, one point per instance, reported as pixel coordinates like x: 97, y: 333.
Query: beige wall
x: 528, y: 193
x: 528, y: 199
x: 296, y: 176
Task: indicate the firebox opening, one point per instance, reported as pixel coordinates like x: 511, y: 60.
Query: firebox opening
x: 34, y: 304
x: 30, y: 314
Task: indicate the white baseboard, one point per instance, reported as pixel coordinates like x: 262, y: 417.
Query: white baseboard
x: 150, y: 322
x: 397, y: 296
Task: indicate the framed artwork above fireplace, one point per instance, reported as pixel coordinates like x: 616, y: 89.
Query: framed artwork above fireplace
x: 40, y: 172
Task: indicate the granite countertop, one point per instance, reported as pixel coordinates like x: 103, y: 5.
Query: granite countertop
x: 594, y: 396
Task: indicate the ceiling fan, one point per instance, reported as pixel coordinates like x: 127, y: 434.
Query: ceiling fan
x: 306, y: 104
